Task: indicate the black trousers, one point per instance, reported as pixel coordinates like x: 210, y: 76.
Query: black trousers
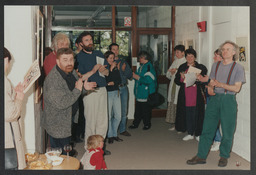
x: 142, y: 112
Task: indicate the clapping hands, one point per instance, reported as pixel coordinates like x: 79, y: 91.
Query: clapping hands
x: 87, y: 85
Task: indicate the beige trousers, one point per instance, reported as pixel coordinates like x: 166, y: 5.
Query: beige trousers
x: 96, y: 113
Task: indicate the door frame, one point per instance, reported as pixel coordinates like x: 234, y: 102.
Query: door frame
x: 161, y: 79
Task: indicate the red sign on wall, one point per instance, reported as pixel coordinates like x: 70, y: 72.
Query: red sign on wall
x: 127, y: 21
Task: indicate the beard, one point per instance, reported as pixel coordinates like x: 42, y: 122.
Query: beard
x: 88, y: 48
x: 69, y: 68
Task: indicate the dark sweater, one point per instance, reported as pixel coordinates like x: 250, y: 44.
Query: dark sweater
x: 85, y: 63
x: 115, y: 77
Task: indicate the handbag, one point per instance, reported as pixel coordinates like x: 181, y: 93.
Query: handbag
x: 10, y: 156
x: 155, y: 99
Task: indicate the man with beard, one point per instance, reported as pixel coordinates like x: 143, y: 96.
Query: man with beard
x: 61, y: 92
x: 95, y: 102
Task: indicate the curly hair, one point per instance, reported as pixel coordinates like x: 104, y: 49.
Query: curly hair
x: 93, y: 141
x: 235, y: 48
x: 59, y: 37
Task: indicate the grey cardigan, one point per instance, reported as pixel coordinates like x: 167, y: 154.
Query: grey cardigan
x: 58, y: 101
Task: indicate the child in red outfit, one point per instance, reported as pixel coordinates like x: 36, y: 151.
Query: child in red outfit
x: 93, y: 157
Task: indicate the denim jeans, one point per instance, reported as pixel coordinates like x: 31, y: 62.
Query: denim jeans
x: 124, y: 102
x: 114, y: 113
x: 217, y: 135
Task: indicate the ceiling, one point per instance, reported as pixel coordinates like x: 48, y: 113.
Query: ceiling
x: 89, y: 16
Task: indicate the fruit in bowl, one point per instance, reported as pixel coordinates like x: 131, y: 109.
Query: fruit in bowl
x: 40, y: 164
x: 29, y: 157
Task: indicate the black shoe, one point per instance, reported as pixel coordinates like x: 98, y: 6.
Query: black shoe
x: 78, y: 140
x: 111, y: 140
x: 117, y: 139
x: 106, y: 152
x: 133, y: 126
x: 223, y: 162
x: 125, y: 133
x: 146, y: 127
x: 73, y: 153
x: 196, y: 160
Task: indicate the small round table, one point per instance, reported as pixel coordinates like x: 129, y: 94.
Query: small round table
x: 70, y: 163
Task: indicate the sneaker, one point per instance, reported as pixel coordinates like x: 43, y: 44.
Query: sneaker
x: 223, y: 162
x: 215, y: 146
x: 197, y: 138
x: 196, y: 160
x: 188, y: 137
x: 125, y: 133
x: 172, y: 128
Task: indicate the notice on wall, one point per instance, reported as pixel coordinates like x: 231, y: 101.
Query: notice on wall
x: 127, y: 21
x: 31, y: 76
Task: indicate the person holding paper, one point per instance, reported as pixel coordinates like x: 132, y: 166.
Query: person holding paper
x: 191, y: 102
x: 173, y: 88
x: 91, y: 63
x: 13, y: 102
x: 225, y: 81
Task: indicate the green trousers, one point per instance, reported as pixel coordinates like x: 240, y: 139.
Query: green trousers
x: 223, y: 108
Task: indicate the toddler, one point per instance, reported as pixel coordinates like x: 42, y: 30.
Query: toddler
x: 93, y: 157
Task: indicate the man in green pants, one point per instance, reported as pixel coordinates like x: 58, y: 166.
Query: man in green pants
x: 225, y: 80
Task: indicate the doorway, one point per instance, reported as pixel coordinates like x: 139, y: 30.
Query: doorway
x: 157, y: 44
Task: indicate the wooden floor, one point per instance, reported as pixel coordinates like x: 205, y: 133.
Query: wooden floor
x: 160, y: 149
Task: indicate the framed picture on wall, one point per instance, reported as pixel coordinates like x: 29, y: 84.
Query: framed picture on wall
x: 189, y: 44
x: 39, y: 54
x: 243, y: 59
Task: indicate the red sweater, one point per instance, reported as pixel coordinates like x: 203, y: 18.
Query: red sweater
x: 98, y: 160
x: 49, y: 62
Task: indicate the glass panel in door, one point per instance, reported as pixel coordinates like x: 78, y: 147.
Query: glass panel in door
x: 157, y: 47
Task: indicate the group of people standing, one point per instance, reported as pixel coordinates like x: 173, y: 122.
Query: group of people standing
x: 100, y: 80
x: 186, y: 104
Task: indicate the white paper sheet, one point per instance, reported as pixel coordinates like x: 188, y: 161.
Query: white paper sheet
x: 194, y: 69
x: 100, y: 61
x: 190, y: 78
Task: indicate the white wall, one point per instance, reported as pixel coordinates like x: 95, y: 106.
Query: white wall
x: 223, y: 23
x: 19, y: 39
